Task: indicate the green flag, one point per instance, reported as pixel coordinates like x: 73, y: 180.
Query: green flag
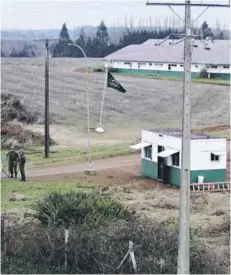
x: 114, y: 84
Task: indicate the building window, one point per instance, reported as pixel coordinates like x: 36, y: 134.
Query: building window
x: 160, y: 148
x: 173, y: 65
x: 207, y: 66
x: 176, y: 159
x: 181, y: 65
x: 226, y: 67
x: 213, y: 66
x: 148, y: 152
x: 160, y: 64
x: 169, y: 67
x: 150, y: 64
x: 214, y: 157
x: 127, y: 63
x: 196, y: 66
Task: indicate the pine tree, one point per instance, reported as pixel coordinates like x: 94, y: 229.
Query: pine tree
x: 102, y: 39
x: 62, y: 49
x: 206, y: 31
x: 81, y: 41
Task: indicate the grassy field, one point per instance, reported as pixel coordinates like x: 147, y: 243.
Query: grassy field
x: 147, y: 102
x: 35, y: 156
x: 35, y: 190
x: 223, y: 82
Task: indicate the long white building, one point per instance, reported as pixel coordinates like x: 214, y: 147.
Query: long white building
x: 167, y: 59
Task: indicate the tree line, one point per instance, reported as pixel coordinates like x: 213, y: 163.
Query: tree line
x: 100, y: 46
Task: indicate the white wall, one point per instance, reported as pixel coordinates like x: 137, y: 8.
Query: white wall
x: 201, y: 150
x: 201, y: 154
x: 156, y: 139
x: 164, y: 66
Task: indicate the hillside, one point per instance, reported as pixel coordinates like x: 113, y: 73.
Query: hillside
x: 147, y: 101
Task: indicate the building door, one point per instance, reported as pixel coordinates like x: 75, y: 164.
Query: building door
x: 160, y: 175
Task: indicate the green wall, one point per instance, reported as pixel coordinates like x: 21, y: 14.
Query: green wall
x: 218, y: 175
x: 172, y: 175
x: 149, y: 168
x: 167, y: 73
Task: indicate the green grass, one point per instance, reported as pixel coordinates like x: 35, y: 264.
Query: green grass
x: 34, y: 190
x: 223, y: 82
x: 35, y: 156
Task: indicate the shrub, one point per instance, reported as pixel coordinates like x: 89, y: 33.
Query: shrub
x: 203, y: 73
x: 34, y: 248
x: 98, y: 70
x: 77, y: 208
x: 100, y: 250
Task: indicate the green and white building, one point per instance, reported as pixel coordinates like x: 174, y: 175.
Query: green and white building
x: 161, y: 157
x: 167, y: 59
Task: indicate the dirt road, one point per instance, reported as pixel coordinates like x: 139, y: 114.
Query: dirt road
x: 123, y: 162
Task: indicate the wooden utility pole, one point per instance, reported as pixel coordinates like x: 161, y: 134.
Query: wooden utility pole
x: 46, y: 115
x: 184, y: 225
x: 46, y: 124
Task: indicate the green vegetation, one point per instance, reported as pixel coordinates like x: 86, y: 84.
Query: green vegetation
x: 34, y: 190
x: 35, y: 155
x: 223, y: 82
x: 74, y: 208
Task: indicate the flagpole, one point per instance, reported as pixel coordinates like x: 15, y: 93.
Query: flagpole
x: 100, y: 129
x: 105, y: 85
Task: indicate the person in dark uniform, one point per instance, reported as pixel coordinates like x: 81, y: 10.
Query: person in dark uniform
x: 12, y: 162
x: 22, y: 162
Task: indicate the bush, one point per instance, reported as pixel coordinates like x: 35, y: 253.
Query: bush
x: 203, y: 73
x: 98, y: 70
x: 31, y: 247
x: 77, y: 208
x: 93, y: 250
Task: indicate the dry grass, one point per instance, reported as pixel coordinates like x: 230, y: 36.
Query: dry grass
x: 148, y: 102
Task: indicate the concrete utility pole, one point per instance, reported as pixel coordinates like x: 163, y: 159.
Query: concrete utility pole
x: 184, y: 237
x: 46, y: 123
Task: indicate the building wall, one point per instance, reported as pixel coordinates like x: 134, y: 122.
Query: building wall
x: 201, y: 154
x: 149, y: 168
x: 152, y: 68
x: 201, y: 164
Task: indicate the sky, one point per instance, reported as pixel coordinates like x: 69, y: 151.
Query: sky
x: 41, y: 14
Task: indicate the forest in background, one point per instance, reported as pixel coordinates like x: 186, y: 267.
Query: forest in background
x: 100, y: 41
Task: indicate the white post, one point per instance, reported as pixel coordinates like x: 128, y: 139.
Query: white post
x: 66, y: 241
x: 88, y: 110
x: 104, y: 89
x: 184, y: 239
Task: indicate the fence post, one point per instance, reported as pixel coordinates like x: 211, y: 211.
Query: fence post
x: 66, y: 241
x: 132, y: 256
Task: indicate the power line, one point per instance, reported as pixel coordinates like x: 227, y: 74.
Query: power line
x: 184, y: 237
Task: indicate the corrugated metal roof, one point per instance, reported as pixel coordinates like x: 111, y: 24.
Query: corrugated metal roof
x: 178, y: 133
x: 165, y: 53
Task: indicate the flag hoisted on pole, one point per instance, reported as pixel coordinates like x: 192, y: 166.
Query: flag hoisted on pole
x: 114, y: 84
x: 110, y: 82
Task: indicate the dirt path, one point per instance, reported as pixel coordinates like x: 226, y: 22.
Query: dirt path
x: 126, y: 162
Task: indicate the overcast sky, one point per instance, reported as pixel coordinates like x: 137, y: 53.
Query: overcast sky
x: 40, y: 14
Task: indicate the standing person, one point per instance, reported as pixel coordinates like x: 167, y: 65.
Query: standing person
x: 22, y: 161
x: 12, y: 162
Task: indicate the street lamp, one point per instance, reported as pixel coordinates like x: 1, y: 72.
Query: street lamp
x: 89, y: 171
